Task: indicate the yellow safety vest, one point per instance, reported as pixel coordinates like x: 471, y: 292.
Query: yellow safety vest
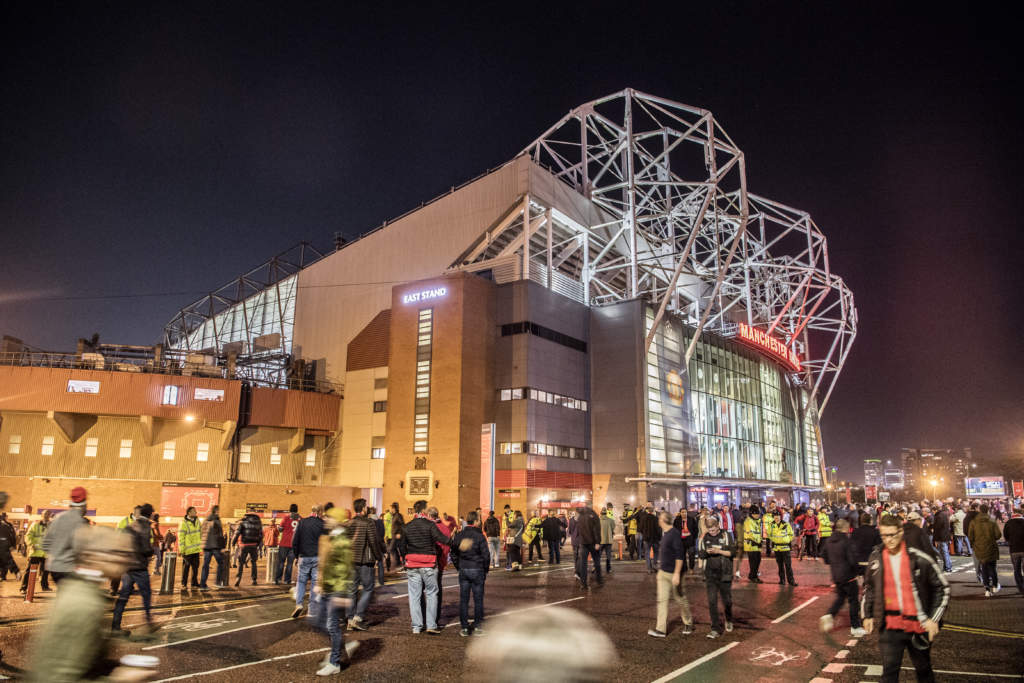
x: 825, y: 525
x: 781, y: 535
x: 532, y: 529
x: 387, y: 525
x: 753, y: 534
x: 189, y: 537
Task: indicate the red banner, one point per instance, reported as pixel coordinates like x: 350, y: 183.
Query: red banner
x: 175, y: 499
x: 1018, y: 489
x: 871, y: 493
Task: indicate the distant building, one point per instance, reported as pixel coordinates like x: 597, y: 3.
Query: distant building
x: 893, y: 479
x: 873, y: 473
x: 948, y: 467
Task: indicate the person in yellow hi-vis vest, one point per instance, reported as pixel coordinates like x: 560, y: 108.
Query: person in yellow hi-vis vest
x: 533, y: 536
x: 781, y: 535
x: 189, y: 544
x: 629, y: 529
x: 507, y: 517
x: 753, y: 530
x: 824, y: 524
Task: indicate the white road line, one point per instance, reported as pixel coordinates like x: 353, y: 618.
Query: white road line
x: 240, y: 666
x: 842, y: 654
x: 695, y: 663
x: 852, y: 643
x: 524, y: 609
x: 219, y: 633
x: 794, y: 611
x: 970, y: 673
x: 193, y: 616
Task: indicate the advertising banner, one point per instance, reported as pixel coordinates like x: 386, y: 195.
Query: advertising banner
x: 871, y: 492
x: 1018, y: 489
x: 985, y: 486
x: 674, y: 389
x: 176, y: 498
x: 487, y: 435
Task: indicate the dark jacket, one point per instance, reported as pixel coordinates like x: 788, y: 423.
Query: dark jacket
x: 366, y: 546
x: 841, y: 556
x: 212, y: 533
x: 589, y: 527
x: 968, y: 518
x: 249, y: 531
x: 306, y: 541
x: 552, y: 528
x: 941, y: 532
x: 492, y: 527
x: 915, y: 538
x: 717, y: 567
x: 469, y: 550
x: 141, y: 543
x: 1013, y: 532
x: 419, y: 539
x: 983, y: 536
x: 931, y: 590
x: 379, y: 526
x: 647, y: 524
x: 864, y: 539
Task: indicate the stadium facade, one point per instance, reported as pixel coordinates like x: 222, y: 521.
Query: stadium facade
x: 609, y: 316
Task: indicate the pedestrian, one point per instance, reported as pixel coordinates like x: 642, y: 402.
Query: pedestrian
x: 984, y: 535
x: 285, y: 552
x: 136, y: 575
x: 691, y: 540
x: 533, y: 535
x: 335, y: 587
x: 58, y: 544
x: 190, y: 543
x: 271, y: 539
x: 607, y: 538
x: 441, y: 551
x: 808, y: 522
x: 589, y: 527
x: 840, y: 555
x: 647, y: 524
x: 420, y: 539
x: 158, y: 543
x: 367, y: 549
x: 492, y: 530
x: 906, y: 592
x: 514, y: 542
x: 629, y: 531
x: 1013, y: 532
x: 249, y: 539
x: 573, y: 531
x: 552, y: 530
x: 378, y: 524
x: 214, y: 542
x: 864, y: 538
x: 753, y: 532
x: 942, y: 535
x: 671, y: 566
x: 306, y: 545
x: 962, y: 546
x: 37, y: 556
x: 395, y: 546
x: 716, y: 549
x: 780, y: 533
x: 472, y: 558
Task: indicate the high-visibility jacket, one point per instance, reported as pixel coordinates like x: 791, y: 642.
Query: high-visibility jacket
x: 753, y: 533
x: 506, y: 522
x: 190, y: 537
x: 781, y: 535
x: 630, y: 527
x: 387, y: 525
x: 124, y: 523
x: 609, y: 513
x: 34, y: 538
x: 826, y: 525
x: 532, y: 530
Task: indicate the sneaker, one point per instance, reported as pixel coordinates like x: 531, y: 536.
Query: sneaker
x: 687, y: 629
x: 329, y: 670
x: 728, y: 627
x: 996, y: 589
x: 434, y: 631
x: 356, y: 624
x: 825, y: 623
x: 297, y: 612
x: 464, y: 632
x: 655, y: 633
x: 858, y: 632
x: 479, y: 631
x: 714, y: 634
x: 740, y: 577
x: 988, y: 593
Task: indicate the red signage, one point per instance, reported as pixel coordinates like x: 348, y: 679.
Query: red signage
x: 770, y: 345
x: 176, y: 499
x: 871, y: 493
x: 1018, y: 489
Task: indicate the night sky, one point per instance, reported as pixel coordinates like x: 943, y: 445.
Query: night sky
x: 148, y: 155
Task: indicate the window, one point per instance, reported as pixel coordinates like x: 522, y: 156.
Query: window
x: 126, y: 448
x: 47, y: 449
x: 380, y: 406
x: 245, y: 455
x: 14, y: 445
x: 544, y: 397
x: 203, y: 452
x: 506, y: 394
x: 92, y: 446
x: 168, y: 450
x: 380, y: 383
x: 421, y: 409
x: 275, y: 455
x: 377, y: 453
x: 170, y: 395
x: 310, y: 457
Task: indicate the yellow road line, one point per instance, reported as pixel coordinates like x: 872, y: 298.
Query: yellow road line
x: 983, y: 631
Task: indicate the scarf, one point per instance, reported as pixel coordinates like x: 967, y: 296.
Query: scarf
x: 900, y: 615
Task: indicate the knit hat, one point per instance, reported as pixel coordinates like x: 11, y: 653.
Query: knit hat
x: 293, y: 507
x: 78, y: 496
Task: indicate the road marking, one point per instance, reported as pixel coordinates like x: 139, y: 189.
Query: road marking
x: 970, y: 673
x: 524, y: 609
x: 221, y: 633
x: 842, y: 654
x: 697, y: 662
x: 193, y: 616
x: 240, y: 666
x: 794, y: 611
x: 852, y: 643
x: 780, y: 657
x: 821, y: 680
x: 838, y: 667
x: 983, y: 631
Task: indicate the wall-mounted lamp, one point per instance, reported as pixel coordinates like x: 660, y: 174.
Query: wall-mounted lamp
x: 436, y: 483
x: 401, y: 484
x: 289, y: 491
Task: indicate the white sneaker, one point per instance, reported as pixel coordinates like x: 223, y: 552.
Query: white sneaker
x: 988, y: 593
x: 858, y: 632
x: 825, y: 623
x: 728, y: 627
x: 996, y: 589
x: 329, y: 670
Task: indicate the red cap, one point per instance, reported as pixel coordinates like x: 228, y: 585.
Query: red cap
x: 78, y: 495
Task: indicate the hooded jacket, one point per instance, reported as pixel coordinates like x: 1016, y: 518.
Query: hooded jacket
x: 212, y: 533
x: 983, y: 536
x: 929, y: 586
x: 470, y: 551
x: 589, y: 527
x: 249, y: 532
x: 841, y: 556
x: 58, y: 542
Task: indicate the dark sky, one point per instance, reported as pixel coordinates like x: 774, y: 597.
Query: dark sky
x: 148, y: 155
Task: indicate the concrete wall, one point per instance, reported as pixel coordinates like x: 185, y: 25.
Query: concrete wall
x: 362, y: 428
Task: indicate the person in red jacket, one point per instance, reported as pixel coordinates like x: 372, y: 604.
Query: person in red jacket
x: 809, y: 530
x: 286, y: 554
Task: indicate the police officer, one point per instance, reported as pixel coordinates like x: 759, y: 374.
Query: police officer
x: 781, y: 535
x: 752, y: 534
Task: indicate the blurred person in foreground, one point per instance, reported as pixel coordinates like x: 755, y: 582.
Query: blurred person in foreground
x: 907, y: 593
x: 57, y: 543
x: 472, y: 558
x: 72, y: 645
x: 840, y: 555
x: 136, y: 575
x: 335, y: 586
x: 532, y: 646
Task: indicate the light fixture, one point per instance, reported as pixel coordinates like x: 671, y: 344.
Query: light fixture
x: 190, y: 418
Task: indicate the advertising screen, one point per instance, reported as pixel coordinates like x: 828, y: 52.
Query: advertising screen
x: 175, y: 499
x: 985, y: 486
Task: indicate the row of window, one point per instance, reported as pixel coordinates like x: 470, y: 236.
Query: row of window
x: 542, y: 396
x: 424, y: 347
x: 510, y: 447
x: 536, y: 330
x: 92, y: 445
x: 172, y: 393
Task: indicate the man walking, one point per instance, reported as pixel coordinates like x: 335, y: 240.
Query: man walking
x: 753, y: 532
x: 671, y: 566
x: 552, y: 530
x: 607, y: 538
x: 492, y: 530
x: 190, y: 542
x: 335, y: 580
x: 420, y: 540
x: 941, y: 537
x: 984, y: 534
x: 472, y: 559
x: 961, y: 545
x: 306, y: 544
x: 780, y: 533
x: 905, y: 590
x: 716, y: 549
x: 1013, y: 531
x: 34, y: 541
x: 249, y: 537
x: 367, y: 550
x: 58, y: 544
x: 840, y: 555
x: 214, y: 543
x: 589, y: 529
x: 395, y: 551
x: 285, y: 552
x: 137, y: 573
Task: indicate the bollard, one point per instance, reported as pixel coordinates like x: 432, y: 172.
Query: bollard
x: 168, y: 571
x: 620, y: 548
x: 272, y: 557
x: 30, y: 592
x: 224, y: 569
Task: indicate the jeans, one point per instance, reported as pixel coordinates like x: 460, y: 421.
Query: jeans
x: 1018, y: 570
x: 250, y: 552
x: 988, y: 575
x: 44, y: 576
x: 132, y: 579
x: 593, y: 551
x: 362, y: 576
x: 606, y: 550
x: 666, y: 590
x: 943, y: 550
x: 207, y: 556
x: 651, y: 557
x: 847, y: 592
x: 892, y: 644
x: 717, y: 588
x: 307, y: 572
x: 472, y: 580
x: 158, y: 553
x: 554, y: 552
x: 285, y: 562
x: 963, y: 546
x: 494, y: 544
x: 189, y: 562
x: 422, y: 581
x: 336, y: 623
x: 380, y: 571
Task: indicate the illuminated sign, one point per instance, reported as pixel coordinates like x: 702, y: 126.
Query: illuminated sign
x: 773, y: 347
x: 986, y: 486
x: 83, y: 386
x: 209, y: 394
x: 424, y: 295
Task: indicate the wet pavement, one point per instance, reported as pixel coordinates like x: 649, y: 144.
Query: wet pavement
x: 233, y: 634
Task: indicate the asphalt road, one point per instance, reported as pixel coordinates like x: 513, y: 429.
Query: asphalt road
x: 235, y: 634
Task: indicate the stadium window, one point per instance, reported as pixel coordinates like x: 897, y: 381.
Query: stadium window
x: 126, y: 448
x: 47, y: 449
x: 168, y: 450
x: 203, y: 452
x: 245, y: 455
x: 506, y: 394
x: 14, y: 445
x: 380, y: 406
x: 275, y: 455
x: 517, y: 394
x: 170, y: 395
x: 92, y: 446
x: 310, y: 457
x: 377, y: 454
x: 380, y: 383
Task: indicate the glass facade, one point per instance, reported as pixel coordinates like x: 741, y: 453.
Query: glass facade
x: 731, y: 414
